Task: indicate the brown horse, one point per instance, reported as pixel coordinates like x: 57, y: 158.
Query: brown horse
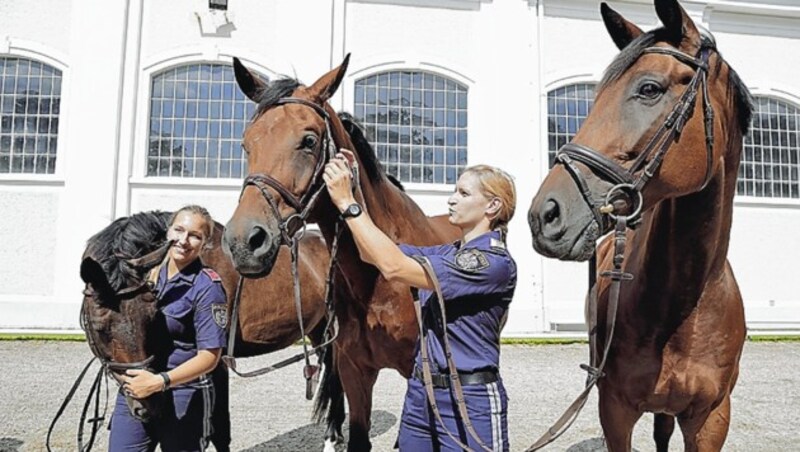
x: 293, y: 134
x: 123, y: 326
x: 680, y: 323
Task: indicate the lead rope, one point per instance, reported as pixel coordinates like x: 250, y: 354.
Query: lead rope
x: 455, y: 381
x: 594, y: 370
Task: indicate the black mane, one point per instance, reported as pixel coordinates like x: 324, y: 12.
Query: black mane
x: 743, y: 102
x: 273, y: 91
x: 126, y: 238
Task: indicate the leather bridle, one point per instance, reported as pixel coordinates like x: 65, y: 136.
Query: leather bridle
x: 308, y: 200
x: 108, y: 367
x: 289, y: 228
x: 632, y: 180
x: 626, y: 182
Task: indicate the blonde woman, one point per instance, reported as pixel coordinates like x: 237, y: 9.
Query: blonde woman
x: 477, y: 277
x: 193, y: 303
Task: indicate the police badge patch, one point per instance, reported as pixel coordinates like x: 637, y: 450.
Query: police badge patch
x: 220, y: 314
x: 471, y: 260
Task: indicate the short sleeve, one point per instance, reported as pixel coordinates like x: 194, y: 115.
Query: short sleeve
x: 472, y: 272
x: 211, y: 317
x: 411, y: 250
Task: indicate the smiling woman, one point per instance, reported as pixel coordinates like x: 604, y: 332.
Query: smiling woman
x: 193, y: 303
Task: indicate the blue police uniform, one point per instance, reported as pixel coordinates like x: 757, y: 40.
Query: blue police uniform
x: 194, y: 306
x: 477, y: 282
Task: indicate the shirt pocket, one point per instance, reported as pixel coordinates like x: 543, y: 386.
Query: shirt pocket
x: 179, y: 318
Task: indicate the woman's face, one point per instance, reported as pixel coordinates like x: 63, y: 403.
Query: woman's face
x: 188, y: 231
x: 467, y: 205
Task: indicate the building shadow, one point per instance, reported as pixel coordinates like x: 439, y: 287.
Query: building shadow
x: 309, y: 438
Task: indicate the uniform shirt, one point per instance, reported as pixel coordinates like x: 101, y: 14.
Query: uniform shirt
x: 477, y: 282
x: 194, y: 306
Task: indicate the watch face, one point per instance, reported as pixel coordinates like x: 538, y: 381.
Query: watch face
x: 353, y: 210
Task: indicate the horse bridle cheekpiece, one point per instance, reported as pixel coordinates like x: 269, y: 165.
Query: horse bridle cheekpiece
x: 303, y: 206
x: 625, y: 180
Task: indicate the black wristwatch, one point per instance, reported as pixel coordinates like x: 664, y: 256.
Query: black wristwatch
x: 352, y: 211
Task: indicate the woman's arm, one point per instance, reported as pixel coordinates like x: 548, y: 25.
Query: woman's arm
x: 374, y: 246
x: 142, y: 383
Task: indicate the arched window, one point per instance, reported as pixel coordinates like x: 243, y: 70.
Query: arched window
x: 567, y: 107
x: 197, y: 119
x: 771, y: 156
x: 30, y: 101
x: 417, y: 123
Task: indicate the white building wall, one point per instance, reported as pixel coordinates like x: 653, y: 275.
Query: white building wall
x: 509, y: 53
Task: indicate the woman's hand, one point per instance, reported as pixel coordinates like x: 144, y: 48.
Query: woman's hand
x: 141, y: 384
x: 338, y: 179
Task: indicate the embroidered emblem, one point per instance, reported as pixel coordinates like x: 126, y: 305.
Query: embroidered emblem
x: 471, y: 260
x: 212, y: 274
x: 220, y: 313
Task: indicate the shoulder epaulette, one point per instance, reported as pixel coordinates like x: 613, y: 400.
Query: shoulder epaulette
x: 212, y: 274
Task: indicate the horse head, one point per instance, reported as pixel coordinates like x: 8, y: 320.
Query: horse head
x: 119, y: 313
x: 292, y: 135
x: 665, y: 122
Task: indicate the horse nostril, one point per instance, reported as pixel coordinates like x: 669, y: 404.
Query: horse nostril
x: 551, y: 211
x: 257, y: 238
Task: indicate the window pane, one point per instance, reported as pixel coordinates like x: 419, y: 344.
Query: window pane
x: 770, y: 156
x: 30, y: 98
x: 567, y: 108
x: 422, y: 135
x: 197, y: 118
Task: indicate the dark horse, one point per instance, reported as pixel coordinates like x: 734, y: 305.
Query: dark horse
x: 287, y: 143
x: 123, y: 325
x: 669, y: 110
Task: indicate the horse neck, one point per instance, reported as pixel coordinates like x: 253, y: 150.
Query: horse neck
x: 683, y: 242
x: 391, y: 210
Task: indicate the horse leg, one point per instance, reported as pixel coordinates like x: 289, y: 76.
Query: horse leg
x: 708, y: 435
x: 663, y: 426
x: 617, y: 420
x: 358, y: 383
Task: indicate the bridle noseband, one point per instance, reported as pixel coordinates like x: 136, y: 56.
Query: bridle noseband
x: 308, y: 200
x: 625, y: 180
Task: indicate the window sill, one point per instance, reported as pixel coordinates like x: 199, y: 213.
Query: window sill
x: 185, y: 182
x: 22, y: 179
x: 753, y: 201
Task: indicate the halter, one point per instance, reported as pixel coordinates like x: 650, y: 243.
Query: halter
x: 626, y: 181
x: 306, y: 203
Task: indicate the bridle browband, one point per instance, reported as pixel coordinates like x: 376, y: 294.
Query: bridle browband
x: 625, y: 180
x: 308, y: 200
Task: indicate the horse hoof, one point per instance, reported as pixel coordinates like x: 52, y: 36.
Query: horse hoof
x: 330, y: 446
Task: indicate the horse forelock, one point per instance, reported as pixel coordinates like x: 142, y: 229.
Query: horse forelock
x: 126, y: 238
x: 737, y: 90
x: 274, y: 91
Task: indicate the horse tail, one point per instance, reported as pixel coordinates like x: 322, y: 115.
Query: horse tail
x: 330, y: 397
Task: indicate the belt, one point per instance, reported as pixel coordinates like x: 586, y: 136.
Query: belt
x: 467, y: 379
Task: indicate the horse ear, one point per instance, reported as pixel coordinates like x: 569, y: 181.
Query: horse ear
x: 621, y: 30
x: 251, y: 85
x: 677, y: 23
x: 92, y: 273
x: 327, y: 85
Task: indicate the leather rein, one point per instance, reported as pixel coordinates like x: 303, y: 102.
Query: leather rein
x: 108, y: 367
x: 292, y: 229
x: 627, y: 183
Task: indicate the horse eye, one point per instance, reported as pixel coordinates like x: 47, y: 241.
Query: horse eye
x: 309, y: 142
x: 650, y: 90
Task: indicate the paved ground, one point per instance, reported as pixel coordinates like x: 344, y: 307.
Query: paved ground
x: 269, y: 413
